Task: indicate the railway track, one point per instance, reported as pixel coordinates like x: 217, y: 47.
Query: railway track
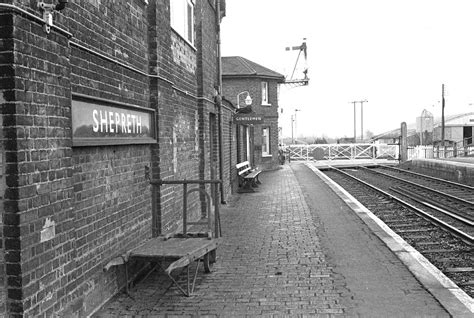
x: 437, y: 224
x: 430, y: 195
x: 458, y: 190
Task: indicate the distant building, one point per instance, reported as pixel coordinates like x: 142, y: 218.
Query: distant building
x: 243, y: 79
x: 346, y: 140
x: 458, y: 128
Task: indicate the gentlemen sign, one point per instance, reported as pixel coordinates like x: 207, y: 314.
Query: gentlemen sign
x: 95, y: 123
x: 248, y: 119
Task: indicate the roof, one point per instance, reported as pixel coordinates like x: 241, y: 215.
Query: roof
x: 411, y: 128
x: 394, y: 134
x: 237, y: 66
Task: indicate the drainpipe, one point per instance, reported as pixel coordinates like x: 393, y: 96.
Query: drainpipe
x: 219, y: 100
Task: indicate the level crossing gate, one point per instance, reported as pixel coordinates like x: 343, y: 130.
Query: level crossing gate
x: 329, y: 152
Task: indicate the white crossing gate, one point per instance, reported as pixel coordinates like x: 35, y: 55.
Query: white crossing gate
x: 330, y: 152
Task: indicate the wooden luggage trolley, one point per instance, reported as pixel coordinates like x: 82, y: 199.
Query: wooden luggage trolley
x: 179, y: 250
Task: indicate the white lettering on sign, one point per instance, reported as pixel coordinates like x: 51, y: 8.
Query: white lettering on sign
x: 247, y: 118
x: 105, y: 121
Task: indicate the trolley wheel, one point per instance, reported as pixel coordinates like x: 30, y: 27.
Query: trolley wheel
x: 207, y: 263
x: 212, y: 256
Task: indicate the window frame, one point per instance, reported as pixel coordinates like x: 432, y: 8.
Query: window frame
x: 266, y: 142
x: 265, y: 95
x: 182, y: 19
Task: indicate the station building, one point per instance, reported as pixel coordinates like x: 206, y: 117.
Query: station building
x: 92, y: 94
x: 253, y: 89
x: 458, y: 128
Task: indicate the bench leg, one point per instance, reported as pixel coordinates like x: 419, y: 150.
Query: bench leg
x: 246, y: 187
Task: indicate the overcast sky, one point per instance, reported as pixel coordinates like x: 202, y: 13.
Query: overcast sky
x: 394, y: 53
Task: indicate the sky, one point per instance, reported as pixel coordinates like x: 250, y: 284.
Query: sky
x: 396, y: 54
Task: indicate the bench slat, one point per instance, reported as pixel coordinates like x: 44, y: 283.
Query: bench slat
x: 241, y: 172
x: 253, y: 174
x: 242, y: 164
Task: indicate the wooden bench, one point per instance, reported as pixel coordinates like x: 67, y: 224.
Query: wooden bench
x: 248, y: 177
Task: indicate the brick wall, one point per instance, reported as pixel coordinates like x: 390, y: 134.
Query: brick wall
x: 6, y: 82
x: 229, y: 144
x: 184, y: 96
x: 112, y: 198
x: 231, y: 88
x: 68, y: 210
x: 207, y: 82
x: 179, y: 157
x: 2, y: 252
x: 38, y: 201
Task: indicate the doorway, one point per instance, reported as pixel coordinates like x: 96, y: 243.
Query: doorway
x: 467, y: 135
x: 213, y: 146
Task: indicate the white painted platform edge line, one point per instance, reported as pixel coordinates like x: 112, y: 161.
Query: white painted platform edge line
x: 443, y: 280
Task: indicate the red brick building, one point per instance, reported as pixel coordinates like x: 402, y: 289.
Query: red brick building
x: 89, y: 98
x: 257, y: 143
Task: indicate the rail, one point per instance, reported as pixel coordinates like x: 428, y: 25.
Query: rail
x: 464, y: 236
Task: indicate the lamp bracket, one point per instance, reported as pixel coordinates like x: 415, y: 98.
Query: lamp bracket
x: 48, y: 10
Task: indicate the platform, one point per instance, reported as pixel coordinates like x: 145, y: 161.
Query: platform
x: 459, y: 169
x: 452, y: 298
x: 296, y: 247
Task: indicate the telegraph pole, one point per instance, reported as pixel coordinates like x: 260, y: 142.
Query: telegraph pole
x: 362, y: 118
x: 442, y: 114
x: 296, y: 135
x: 292, y: 138
x: 355, y: 134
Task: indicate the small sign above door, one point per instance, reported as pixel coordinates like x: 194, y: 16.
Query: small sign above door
x: 248, y: 119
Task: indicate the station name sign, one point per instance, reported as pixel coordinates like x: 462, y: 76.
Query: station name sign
x: 248, y: 119
x: 100, y: 123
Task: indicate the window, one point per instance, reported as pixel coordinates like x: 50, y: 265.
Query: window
x: 265, y: 93
x: 182, y: 18
x: 266, y: 142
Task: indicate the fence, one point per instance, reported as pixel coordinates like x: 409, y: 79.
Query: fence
x: 342, y: 152
x: 431, y: 152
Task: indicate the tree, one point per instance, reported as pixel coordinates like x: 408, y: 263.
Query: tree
x: 369, y: 134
